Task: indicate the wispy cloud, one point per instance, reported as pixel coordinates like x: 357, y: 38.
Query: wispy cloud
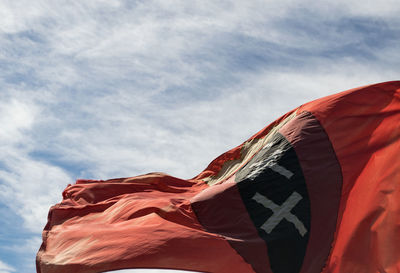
x: 5, y: 268
x: 101, y: 89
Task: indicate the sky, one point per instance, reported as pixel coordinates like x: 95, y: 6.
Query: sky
x: 104, y: 89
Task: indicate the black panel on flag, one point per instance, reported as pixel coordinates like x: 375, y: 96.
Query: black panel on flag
x: 274, y: 192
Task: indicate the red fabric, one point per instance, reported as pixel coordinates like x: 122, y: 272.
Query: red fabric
x: 364, y: 127
x: 140, y: 222
x: 221, y: 211
x: 324, y: 182
x: 149, y: 221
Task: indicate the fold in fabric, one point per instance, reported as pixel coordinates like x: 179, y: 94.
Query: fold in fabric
x: 317, y: 190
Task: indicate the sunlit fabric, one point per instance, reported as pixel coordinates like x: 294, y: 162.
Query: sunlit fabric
x: 317, y: 190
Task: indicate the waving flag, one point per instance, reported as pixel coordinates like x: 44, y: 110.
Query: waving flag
x: 318, y: 190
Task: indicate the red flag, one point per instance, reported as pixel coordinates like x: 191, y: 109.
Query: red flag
x: 318, y: 190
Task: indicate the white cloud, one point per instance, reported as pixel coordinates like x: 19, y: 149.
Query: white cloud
x: 385, y: 9
x: 5, y: 268
x: 101, y: 89
x: 28, y: 246
x: 15, y: 118
x: 28, y: 186
x: 139, y: 55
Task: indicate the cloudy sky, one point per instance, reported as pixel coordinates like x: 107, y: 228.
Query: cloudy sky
x: 104, y: 89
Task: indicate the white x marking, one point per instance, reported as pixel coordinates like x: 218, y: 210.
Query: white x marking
x: 269, y: 162
x: 281, y: 212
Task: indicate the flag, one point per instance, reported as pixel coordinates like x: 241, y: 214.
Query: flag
x: 318, y: 190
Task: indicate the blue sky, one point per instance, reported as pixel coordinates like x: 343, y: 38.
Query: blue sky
x: 103, y: 89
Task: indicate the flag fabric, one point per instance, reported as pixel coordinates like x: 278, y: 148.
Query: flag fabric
x: 318, y: 190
